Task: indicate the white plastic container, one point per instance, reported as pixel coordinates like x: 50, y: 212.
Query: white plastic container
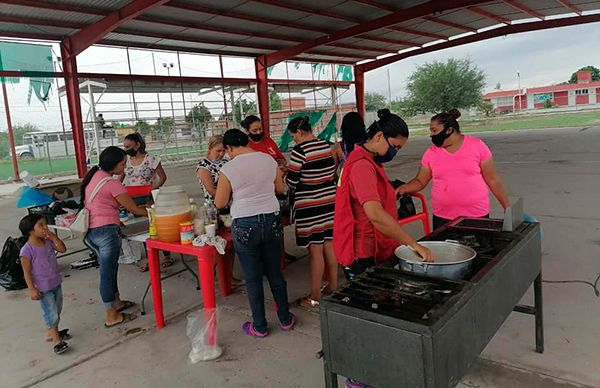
x: 29, y: 179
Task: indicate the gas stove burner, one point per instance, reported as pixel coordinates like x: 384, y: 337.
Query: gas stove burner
x: 399, y: 294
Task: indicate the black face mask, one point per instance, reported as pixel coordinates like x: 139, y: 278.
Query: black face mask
x: 438, y: 140
x: 256, y: 136
x: 131, y: 152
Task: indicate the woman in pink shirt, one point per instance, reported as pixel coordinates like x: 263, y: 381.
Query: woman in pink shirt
x: 102, y: 195
x: 462, y: 170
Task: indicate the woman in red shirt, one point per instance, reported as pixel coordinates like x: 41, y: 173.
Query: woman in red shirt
x: 365, y: 228
x: 259, y: 141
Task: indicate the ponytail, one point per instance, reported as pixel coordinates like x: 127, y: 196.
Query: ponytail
x: 86, y: 182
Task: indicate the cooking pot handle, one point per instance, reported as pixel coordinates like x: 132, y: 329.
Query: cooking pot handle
x: 452, y: 241
x: 422, y: 267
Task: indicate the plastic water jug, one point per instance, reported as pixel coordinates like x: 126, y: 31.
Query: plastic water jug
x: 172, y: 207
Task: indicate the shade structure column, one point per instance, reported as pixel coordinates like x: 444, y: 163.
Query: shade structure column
x: 359, y: 90
x: 74, y: 105
x: 262, y: 92
x: 11, y: 136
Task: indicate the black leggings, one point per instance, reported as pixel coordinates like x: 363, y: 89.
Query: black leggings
x: 439, y: 221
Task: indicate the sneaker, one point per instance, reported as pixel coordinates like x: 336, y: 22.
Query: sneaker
x: 350, y: 383
x: 248, y: 328
x: 291, y: 324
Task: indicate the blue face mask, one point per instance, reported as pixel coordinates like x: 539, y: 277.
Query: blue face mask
x: 389, y: 155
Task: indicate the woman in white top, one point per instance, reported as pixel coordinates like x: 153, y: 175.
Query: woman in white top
x: 143, y: 169
x: 251, y: 180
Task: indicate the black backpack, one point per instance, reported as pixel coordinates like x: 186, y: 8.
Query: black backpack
x: 11, y: 272
x: 406, y: 206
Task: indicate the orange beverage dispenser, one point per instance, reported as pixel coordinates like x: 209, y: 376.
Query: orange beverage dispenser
x: 172, y: 207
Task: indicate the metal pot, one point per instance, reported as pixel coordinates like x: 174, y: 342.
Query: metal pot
x: 452, y: 260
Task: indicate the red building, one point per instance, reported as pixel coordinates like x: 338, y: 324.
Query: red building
x: 584, y: 92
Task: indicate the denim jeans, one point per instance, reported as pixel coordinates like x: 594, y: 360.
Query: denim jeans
x: 257, y: 241
x: 51, y: 301
x: 105, y: 241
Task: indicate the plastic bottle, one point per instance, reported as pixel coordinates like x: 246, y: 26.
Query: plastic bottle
x: 193, y: 207
x: 151, y: 223
x: 211, y: 213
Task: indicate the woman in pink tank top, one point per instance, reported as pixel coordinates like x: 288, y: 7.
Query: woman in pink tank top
x: 462, y: 170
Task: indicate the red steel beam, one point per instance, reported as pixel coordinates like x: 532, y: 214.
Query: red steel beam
x: 570, y: 6
x: 500, y: 31
x: 418, y: 11
x: 69, y: 63
x: 11, y: 135
x: 489, y: 15
x: 55, y: 6
x: 359, y: 90
x: 95, y: 32
x: 262, y: 92
x: 449, y: 24
x: 523, y: 8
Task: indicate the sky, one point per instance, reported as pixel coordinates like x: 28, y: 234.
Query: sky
x: 541, y: 57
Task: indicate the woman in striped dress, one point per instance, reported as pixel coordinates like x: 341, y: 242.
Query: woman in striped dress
x: 311, y: 177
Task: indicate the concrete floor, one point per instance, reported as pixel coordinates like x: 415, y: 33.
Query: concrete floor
x: 556, y: 172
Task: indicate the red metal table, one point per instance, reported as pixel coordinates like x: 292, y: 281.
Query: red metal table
x: 207, y: 258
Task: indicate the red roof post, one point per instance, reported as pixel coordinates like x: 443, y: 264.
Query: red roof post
x: 359, y: 90
x: 262, y: 92
x: 11, y: 136
x: 74, y: 105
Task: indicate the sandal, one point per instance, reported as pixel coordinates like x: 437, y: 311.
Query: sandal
x: 308, y: 303
x: 63, y: 334
x: 126, y: 318
x: 290, y: 325
x: 61, y: 347
x: 127, y: 304
x: 167, y: 262
x: 248, y: 328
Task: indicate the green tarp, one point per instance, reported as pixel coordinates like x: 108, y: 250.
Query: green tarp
x: 330, y: 130
x: 28, y: 58
x: 286, y: 139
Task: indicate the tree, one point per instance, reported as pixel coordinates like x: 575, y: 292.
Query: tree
x: 198, y: 114
x: 20, y: 129
x: 441, y: 86
x: 487, y: 108
x: 274, y: 102
x: 595, y: 74
x: 374, y: 102
x: 548, y: 104
x: 143, y: 127
x: 404, y: 107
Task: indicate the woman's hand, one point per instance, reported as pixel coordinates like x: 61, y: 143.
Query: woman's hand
x: 401, y: 190
x: 424, y: 252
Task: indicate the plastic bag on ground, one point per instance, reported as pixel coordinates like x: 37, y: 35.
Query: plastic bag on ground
x: 11, y: 272
x: 202, y: 332
x: 131, y: 252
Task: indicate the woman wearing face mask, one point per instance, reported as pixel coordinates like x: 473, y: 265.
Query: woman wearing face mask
x: 259, y: 141
x: 311, y: 176
x: 143, y: 169
x: 462, y: 170
x: 366, y: 229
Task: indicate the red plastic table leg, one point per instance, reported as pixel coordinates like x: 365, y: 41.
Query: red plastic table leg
x: 207, y: 278
x: 154, y: 267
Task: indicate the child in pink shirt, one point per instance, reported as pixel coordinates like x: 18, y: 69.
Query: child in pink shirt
x: 462, y: 170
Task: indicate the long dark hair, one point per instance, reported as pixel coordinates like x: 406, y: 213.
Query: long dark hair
x: 248, y: 121
x: 353, y: 131
x: 299, y: 124
x: 137, y: 138
x: 448, y: 119
x: 235, y: 138
x: 390, y: 124
x: 109, y: 159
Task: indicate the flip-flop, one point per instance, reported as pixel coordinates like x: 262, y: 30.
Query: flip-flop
x: 63, y: 334
x: 61, y: 347
x: 126, y: 318
x: 127, y: 304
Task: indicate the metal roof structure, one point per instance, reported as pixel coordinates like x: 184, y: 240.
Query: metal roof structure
x: 365, y: 33
x: 340, y: 31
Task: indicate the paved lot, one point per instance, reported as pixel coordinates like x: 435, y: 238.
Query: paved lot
x: 555, y: 171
